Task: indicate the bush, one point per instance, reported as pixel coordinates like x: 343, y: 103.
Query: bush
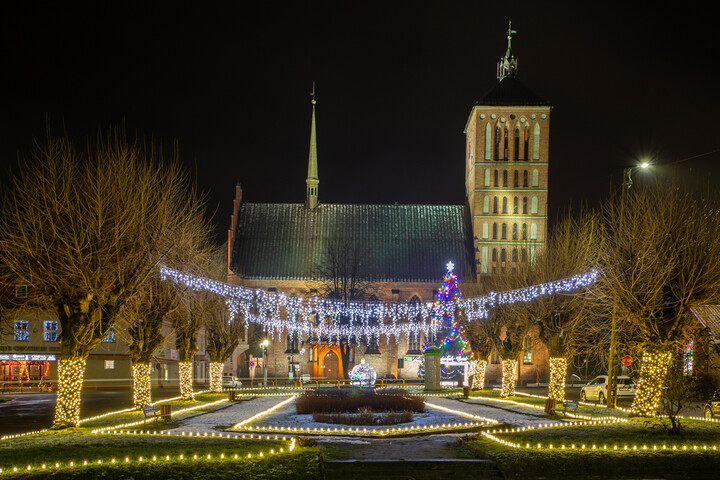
x: 337, y: 401
x: 363, y: 418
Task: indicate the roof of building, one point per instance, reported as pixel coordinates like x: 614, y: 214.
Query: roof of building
x: 709, y: 316
x: 509, y: 91
x: 405, y: 243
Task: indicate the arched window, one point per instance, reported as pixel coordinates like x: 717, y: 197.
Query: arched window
x: 525, y: 178
x: 504, y: 210
x: 414, y: 337
x: 526, y: 149
x: 524, y: 255
x: 293, y: 334
x: 486, y: 204
x: 536, y: 178
x: 505, y: 143
x: 515, y: 205
x: 505, y: 178
x: 534, y: 206
x: 503, y: 255
x: 516, y: 179
x: 524, y: 231
x: 487, y: 177
x: 488, y: 141
x: 494, y: 230
x: 495, y: 205
x: 516, y: 156
x: 497, y: 141
x: 533, y: 231
x: 494, y: 255
x: 486, y: 229
x: 496, y: 178
x: 524, y: 204
x: 504, y: 231
x: 514, y: 231
x: 536, y: 142
x: 514, y: 255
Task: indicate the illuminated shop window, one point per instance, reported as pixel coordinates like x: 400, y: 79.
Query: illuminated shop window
x: 527, y: 352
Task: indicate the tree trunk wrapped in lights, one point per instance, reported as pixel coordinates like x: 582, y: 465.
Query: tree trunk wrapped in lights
x: 652, y: 374
x: 141, y: 385
x: 216, y: 371
x: 508, y: 377
x: 70, y: 380
x: 558, y: 373
x: 479, y: 377
x: 186, y: 380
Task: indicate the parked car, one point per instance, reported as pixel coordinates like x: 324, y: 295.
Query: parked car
x: 597, y: 388
x: 712, y: 406
x: 228, y: 381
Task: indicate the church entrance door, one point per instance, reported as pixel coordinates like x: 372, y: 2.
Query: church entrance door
x: 331, y: 366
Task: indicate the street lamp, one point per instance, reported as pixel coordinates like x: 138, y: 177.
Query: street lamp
x: 612, y: 367
x: 264, y: 346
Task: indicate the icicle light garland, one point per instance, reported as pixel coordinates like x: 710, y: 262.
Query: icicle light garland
x: 558, y: 370
x: 216, y: 370
x: 270, y: 309
x: 70, y: 381
x: 186, y: 380
x: 652, y: 373
x: 141, y: 385
x: 508, y: 378
x: 479, y: 376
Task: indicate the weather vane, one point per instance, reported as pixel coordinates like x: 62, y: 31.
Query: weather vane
x: 312, y: 94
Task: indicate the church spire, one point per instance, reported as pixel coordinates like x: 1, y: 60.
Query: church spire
x: 312, y: 181
x: 507, y: 66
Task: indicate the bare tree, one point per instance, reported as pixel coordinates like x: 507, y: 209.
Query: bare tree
x: 660, y: 258
x: 85, y: 229
x: 346, y: 273
x: 224, y: 332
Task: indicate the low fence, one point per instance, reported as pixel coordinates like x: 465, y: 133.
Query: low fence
x: 327, y: 383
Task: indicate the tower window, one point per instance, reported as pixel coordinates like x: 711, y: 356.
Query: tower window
x: 516, y: 156
x: 533, y: 231
x: 503, y: 255
x: 496, y: 178
x: 487, y: 177
x: 524, y: 232
x: 497, y: 142
x: 514, y: 255
x: 495, y: 205
x: 494, y: 230
x: 536, y: 178
x: 485, y: 231
x: 515, y: 233
x: 515, y: 205
x: 534, y: 206
x: 524, y: 204
x: 526, y: 145
x: 525, y: 178
x: 494, y: 254
x: 504, y: 210
x: 504, y: 232
x: 486, y: 204
x: 505, y: 144
x: 516, y: 179
x: 505, y: 178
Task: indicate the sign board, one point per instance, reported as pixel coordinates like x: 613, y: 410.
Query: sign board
x: 627, y: 360
x: 24, y: 357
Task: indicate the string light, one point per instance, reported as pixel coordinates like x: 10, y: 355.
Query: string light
x: 508, y: 377
x: 479, y: 377
x: 186, y: 380
x: 652, y: 373
x: 70, y: 381
x: 141, y: 385
x: 558, y: 371
x: 216, y: 370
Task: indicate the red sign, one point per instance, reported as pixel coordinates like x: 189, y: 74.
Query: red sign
x: 627, y: 360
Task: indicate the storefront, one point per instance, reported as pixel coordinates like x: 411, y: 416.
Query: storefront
x: 26, y: 368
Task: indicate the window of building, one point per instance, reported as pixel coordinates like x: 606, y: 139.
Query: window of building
x: 505, y: 178
x: 504, y: 231
x: 51, y: 331
x: 527, y: 351
x: 533, y: 231
x: 487, y: 177
x: 293, y: 338
x: 486, y: 204
x: 525, y: 178
x: 516, y: 179
x: 514, y: 255
x: 503, y: 256
x: 414, y: 337
x: 497, y: 142
x: 524, y: 204
x: 21, y: 291
x: 494, y: 230
x: 494, y: 255
x: 515, y: 234
x: 515, y: 205
x: 488, y: 141
x: 517, y: 144
x: 505, y: 143
x: 22, y: 330
x: 536, y: 178
x: 526, y: 138
x: 524, y: 231
x: 495, y: 179
x: 495, y: 205
x: 110, y: 337
x: 536, y: 142
x: 486, y: 231
x: 109, y: 364
x: 504, y: 203
x: 373, y: 348
x: 534, y: 206
x: 396, y: 291
x: 523, y: 254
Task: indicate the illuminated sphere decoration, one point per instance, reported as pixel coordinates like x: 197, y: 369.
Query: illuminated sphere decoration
x: 363, y: 374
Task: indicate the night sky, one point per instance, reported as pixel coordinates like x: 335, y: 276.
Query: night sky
x: 395, y: 84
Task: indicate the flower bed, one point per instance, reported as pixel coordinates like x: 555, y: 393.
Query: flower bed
x: 363, y: 418
x: 354, y: 400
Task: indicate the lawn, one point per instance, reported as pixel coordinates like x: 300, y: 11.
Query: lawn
x: 636, y: 433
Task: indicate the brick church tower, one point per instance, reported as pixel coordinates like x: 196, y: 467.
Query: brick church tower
x: 506, y: 172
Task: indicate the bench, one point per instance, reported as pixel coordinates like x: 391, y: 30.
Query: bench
x: 157, y: 413
x: 567, y: 406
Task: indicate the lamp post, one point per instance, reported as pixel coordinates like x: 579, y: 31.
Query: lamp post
x: 264, y: 346
x: 612, y: 367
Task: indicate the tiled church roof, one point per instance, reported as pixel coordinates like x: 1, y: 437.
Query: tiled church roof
x: 510, y: 92
x: 407, y: 243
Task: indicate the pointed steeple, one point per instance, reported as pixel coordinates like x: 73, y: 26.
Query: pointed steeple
x: 312, y: 181
x: 507, y: 66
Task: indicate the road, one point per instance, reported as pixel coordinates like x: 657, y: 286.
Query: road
x: 34, y: 411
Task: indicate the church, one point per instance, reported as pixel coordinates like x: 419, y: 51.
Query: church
x: 284, y: 247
